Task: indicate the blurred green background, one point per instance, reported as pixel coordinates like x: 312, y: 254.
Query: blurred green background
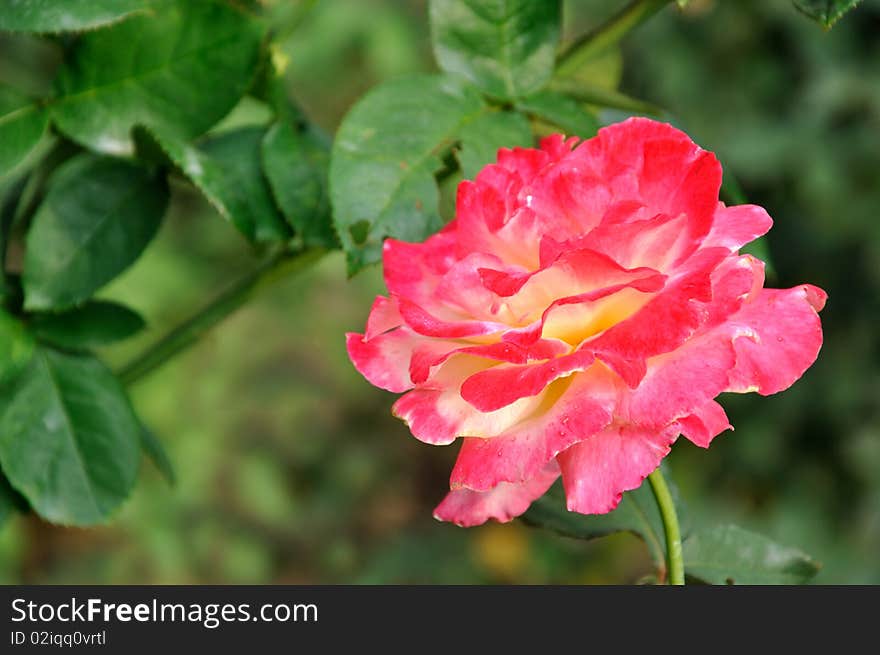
x: 290, y: 467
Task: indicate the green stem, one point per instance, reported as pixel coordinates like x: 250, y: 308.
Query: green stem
x: 674, y: 561
x: 187, y: 333
x: 593, y: 95
x: 606, y: 35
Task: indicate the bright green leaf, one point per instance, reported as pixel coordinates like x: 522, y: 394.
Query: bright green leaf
x: 505, y: 47
x: 728, y: 554
x: 69, y: 440
x: 22, y: 124
x: 157, y: 454
x: 296, y: 164
x: 825, y: 12
x: 384, y: 158
x: 16, y: 348
x: 97, y: 217
x: 228, y: 171
x: 96, y: 323
x: 637, y: 513
x: 561, y: 111
x: 482, y: 137
x: 47, y: 16
x: 181, y: 70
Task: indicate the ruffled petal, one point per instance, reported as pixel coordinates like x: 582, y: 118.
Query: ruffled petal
x: 505, y: 502
x: 734, y: 227
x: 658, y: 165
x: 778, y: 336
x: 596, y: 471
x: 705, y: 424
x: 383, y: 360
x: 573, y: 409
x: 437, y: 414
x: 413, y: 270
x: 664, y: 323
x: 493, y: 388
x: 384, y: 316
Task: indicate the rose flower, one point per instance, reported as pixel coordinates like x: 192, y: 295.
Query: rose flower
x: 584, y: 308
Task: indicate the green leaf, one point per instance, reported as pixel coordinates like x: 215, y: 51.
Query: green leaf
x: 69, y: 440
x: 561, y: 111
x: 182, y: 70
x: 384, y: 158
x: 227, y: 170
x: 16, y: 348
x: 637, y: 513
x: 239, y: 156
x: 825, y: 12
x: 22, y: 124
x: 482, y: 137
x: 96, y: 323
x: 505, y: 47
x: 728, y: 554
x: 296, y: 165
x: 65, y: 15
x: 156, y: 452
x: 10, y: 500
x: 98, y: 216
x: 10, y: 197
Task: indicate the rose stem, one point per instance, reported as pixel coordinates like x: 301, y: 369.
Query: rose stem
x: 674, y: 562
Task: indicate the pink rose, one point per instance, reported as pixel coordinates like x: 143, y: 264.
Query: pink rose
x: 584, y: 308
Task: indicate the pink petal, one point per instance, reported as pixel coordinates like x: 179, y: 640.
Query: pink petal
x: 658, y: 165
x: 503, y: 503
x: 596, y: 471
x: 413, y: 270
x: 424, y: 323
x: 779, y: 337
x: 665, y: 322
x: 384, y: 359
x: 582, y: 407
x: 493, y: 388
x: 384, y: 316
x: 704, y: 425
x: 733, y: 227
x: 656, y: 242
x: 681, y: 382
x: 433, y: 352
x: 436, y: 413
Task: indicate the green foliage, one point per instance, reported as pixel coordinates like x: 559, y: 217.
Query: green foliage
x: 296, y: 163
x: 180, y: 70
x: 16, y: 348
x: 825, y: 12
x: 68, y: 437
x: 157, y: 454
x: 226, y: 169
x: 482, y: 137
x: 96, y: 323
x: 562, y: 111
x: 152, y: 82
x: 98, y: 216
x: 239, y: 183
x: 505, y: 47
x: 728, y: 554
x: 22, y: 124
x: 637, y: 513
x: 384, y: 158
x: 66, y: 15
x: 10, y: 500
